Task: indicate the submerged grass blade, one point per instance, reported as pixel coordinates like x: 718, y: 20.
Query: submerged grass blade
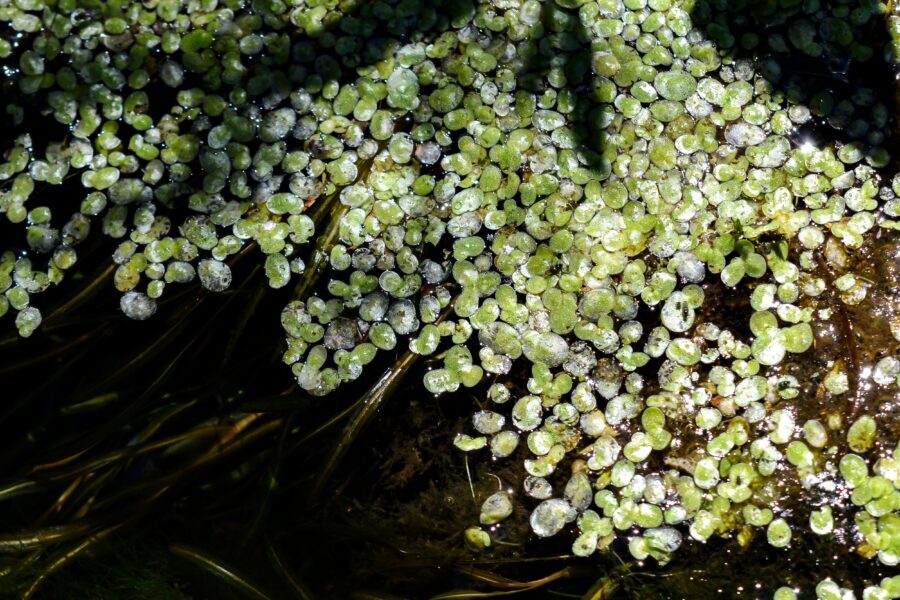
x: 66, y: 557
x: 282, y: 402
x: 492, y: 579
x: 31, y: 540
x: 83, y: 294
x: 318, y: 212
x: 603, y: 589
x: 54, y: 319
x: 371, y: 402
x: 271, y: 480
x: 158, y: 346
x: 334, y: 420
x: 240, y: 436
x: 83, y: 444
x: 129, y: 453
x: 294, y: 584
x: 241, y: 325
x: 468, y: 594
x: 97, y: 402
x: 49, y: 354
x: 507, y: 585
x: 177, y: 327
x: 19, y: 488
x: 848, y: 333
x: 22, y: 402
x: 226, y: 574
x: 319, y: 257
x: 370, y: 595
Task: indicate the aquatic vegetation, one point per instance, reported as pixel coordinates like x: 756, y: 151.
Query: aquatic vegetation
x: 550, y: 200
x: 830, y: 590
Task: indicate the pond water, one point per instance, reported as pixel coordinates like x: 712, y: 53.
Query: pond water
x: 381, y: 300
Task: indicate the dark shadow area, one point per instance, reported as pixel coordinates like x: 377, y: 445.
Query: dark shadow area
x: 830, y: 56
x: 555, y: 44
x: 557, y: 70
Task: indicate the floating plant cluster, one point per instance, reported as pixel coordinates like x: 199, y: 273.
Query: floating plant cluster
x: 540, y: 196
x: 827, y: 589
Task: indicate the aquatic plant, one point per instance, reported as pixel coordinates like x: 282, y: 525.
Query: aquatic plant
x: 550, y: 200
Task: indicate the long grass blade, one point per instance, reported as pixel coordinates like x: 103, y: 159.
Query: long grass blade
x: 228, y: 575
x: 317, y: 212
x: 65, y: 558
x: 19, y: 488
x: 525, y: 587
x: 83, y: 294
x: 371, y: 402
x: 492, y: 579
x: 28, y: 541
x: 299, y: 589
x: 237, y: 439
x: 603, y: 589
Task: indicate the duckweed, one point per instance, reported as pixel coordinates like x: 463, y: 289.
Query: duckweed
x: 489, y: 195
x: 778, y: 533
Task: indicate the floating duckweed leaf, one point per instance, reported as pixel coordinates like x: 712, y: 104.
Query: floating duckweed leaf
x: 769, y: 348
x: 708, y: 417
x: 547, y: 348
x: 799, y: 455
x: 821, y: 522
x: 677, y: 314
x: 861, y: 435
x: 815, y: 434
x: 675, y: 85
x: 496, y: 508
x: 477, y: 539
x: 683, y: 351
x: 703, y: 525
x: 798, y: 338
x: 468, y: 444
x: 137, y: 306
x: 837, y: 381
x: 706, y: 473
x: 28, y: 320
x: 214, y: 275
x: 440, y: 381
x: 488, y: 422
x: 785, y: 593
x: 550, y: 516
x: 504, y: 443
x: 886, y: 371
x: 778, y: 533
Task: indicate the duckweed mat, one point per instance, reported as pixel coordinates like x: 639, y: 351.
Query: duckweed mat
x: 593, y: 299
